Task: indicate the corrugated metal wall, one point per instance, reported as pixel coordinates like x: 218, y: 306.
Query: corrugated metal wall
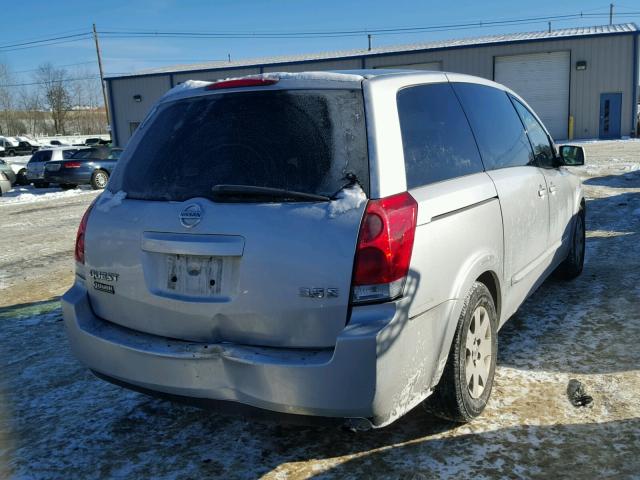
x: 609, y: 69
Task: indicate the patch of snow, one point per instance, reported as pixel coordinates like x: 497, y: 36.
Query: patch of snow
x: 28, y: 194
x: 347, y: 199
x: 109, y: 200
x: 189, y: 85
x: 320, y: 76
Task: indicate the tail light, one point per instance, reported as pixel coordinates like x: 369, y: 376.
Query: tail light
x: 72, y: 164
x: 384, y: 248
x: 242, y: 82
x: 79, y: 252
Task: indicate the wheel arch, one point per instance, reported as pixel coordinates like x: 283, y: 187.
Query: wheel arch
x: 491, y: 281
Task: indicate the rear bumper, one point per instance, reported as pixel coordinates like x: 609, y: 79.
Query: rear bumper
x: 366, y: 375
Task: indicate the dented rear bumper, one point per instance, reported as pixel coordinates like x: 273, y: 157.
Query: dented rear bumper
x: 378, y: 369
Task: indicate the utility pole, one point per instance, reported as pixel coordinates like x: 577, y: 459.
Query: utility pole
x: 104, y: 92
x: 611, y: 14
x: 369, y: 38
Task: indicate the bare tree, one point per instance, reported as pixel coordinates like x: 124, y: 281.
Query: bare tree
x: 30, y: 102
x: 6, y: 101
x: 54, y: 84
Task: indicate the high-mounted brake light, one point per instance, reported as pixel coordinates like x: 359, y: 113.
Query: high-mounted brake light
x: 72, y: 164
x: 242, y: 82
x: 82, y: 229
x: 385, y: 244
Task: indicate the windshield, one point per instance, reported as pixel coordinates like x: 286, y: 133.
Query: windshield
x: 305, y: 141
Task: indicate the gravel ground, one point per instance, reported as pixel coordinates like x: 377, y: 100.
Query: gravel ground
x: 57, y: 421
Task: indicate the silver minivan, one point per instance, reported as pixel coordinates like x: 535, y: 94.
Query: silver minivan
x: 333, y: 244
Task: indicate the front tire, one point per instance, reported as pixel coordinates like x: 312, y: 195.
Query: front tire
x: 21, y: 178
x: 465, y: 386
x: 572, y: 266
x: 99, y: 179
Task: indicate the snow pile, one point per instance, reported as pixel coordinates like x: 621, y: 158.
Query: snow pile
x: 22, y: 195
x: 347, y: 199
x: 109, y: 200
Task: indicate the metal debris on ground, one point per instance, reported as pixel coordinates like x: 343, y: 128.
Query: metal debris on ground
x: 577, y: 394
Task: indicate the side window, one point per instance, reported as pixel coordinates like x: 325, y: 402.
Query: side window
x: 497, y: 127
x: 436, y: 137
x: 542, y: 149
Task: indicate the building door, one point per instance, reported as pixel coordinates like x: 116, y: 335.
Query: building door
x: 610, y: 110
x: 542, y: 79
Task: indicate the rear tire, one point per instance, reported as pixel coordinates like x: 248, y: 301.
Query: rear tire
x: 465, y: 386
x: 572, y: 266
x: 11, y: 153
x: 99, y: 179
x: 41, y: 184
x: 68, y: 186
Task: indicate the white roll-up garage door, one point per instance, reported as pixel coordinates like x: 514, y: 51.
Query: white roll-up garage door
x: 542, y: 79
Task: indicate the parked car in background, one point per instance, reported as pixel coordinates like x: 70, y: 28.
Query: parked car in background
x: 25, y: 148
x: 8, y: 171
x: 5, y: 184
x: 91, y: 166
x: 317, y: 257
x: 96, y: 141
x: 31, y: 141
x: 9, y: 144
x: 35, y: 167
x: 58, y: 143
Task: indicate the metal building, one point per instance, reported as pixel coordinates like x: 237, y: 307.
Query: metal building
x: 581, y: 81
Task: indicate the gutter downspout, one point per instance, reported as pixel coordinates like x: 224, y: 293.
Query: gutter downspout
x: 114, y: 128
x: 634, y: 104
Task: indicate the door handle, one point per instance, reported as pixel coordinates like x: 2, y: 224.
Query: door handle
x: 541, y: 191
x: 552, y: 188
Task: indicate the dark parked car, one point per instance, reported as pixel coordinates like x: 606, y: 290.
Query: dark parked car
x: 91, y: 166
x: 22, y: 148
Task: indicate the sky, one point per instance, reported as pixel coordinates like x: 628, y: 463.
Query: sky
x: 125, y: 55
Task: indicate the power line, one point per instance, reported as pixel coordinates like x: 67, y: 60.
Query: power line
x: 88, y: 36
x: 55, y: 66
x: 347, y: 33
x: 94, y: 77
x: 44, y: 40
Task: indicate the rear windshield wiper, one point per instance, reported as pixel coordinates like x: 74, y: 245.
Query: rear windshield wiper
x: 242, y: 192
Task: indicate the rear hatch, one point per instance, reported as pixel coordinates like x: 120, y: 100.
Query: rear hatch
x: 234, y: 216
x: 35, y: 167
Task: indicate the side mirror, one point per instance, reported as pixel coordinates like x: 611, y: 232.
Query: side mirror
x: 571, y: 155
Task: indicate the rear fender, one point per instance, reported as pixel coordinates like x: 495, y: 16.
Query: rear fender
x: 482, y: 262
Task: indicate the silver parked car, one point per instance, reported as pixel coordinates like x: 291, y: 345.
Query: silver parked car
x: 35, y: 167
x: 331, y: 244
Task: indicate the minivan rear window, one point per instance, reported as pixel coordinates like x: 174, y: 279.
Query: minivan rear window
x: 307, y: 141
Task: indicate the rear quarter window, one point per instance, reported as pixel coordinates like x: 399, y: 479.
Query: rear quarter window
x: 496, y: 125
x: 436, y: 138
